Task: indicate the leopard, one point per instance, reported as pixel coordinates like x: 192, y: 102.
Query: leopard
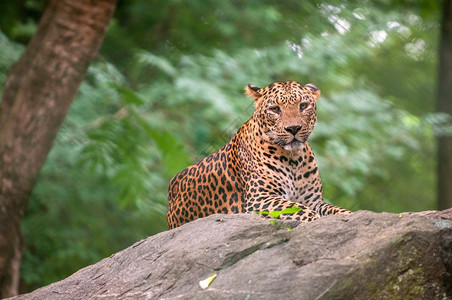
x: 267, y: 166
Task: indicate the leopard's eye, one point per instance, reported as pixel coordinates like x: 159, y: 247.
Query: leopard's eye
x: 275, y: 109
x: 303, y: 106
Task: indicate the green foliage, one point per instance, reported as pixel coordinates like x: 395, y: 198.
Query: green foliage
x: 367, y: 140
x: 129, y: 149
x: 168, y: 90
x: 18, y: 18
x: 9, y: 54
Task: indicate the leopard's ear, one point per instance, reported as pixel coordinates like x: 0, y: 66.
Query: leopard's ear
x: 254, y: 93
x: 314, y: 89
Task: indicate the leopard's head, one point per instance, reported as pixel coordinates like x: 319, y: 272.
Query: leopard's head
x: 285, y: 112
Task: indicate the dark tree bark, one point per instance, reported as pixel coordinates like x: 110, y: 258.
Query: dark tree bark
x: 37, y: 94
x: 444, y: 105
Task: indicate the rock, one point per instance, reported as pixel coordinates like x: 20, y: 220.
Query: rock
x: 365, y: 255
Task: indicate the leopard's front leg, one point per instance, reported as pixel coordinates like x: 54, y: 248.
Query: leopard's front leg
x: 324, y: 209
x: 260, y: 200
x: 314, y: 199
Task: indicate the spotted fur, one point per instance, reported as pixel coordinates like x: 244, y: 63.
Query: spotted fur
x: 267, y: 166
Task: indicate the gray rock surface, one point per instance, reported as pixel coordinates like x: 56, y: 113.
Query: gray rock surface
x: 365, y: 255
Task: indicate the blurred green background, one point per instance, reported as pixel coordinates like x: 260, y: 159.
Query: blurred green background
x: 167, y: 89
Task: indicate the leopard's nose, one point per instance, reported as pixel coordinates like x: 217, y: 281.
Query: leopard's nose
x: 293, y: 129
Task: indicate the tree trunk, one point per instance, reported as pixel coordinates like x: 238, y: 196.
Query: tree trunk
x: 38, y: 92
x: 444, y: 105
